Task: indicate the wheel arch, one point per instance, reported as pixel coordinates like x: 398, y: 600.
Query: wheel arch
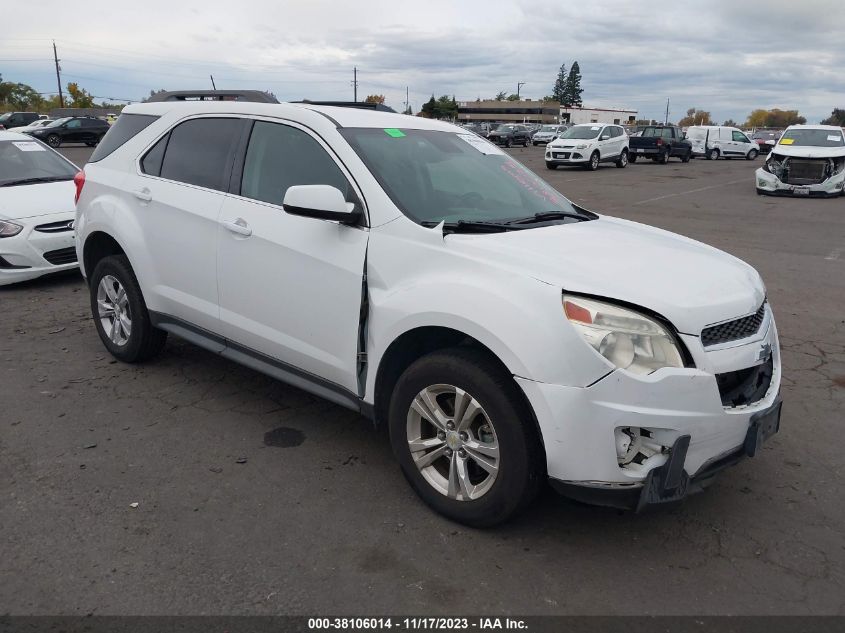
x: 98, y: 245
x: 415, y: 343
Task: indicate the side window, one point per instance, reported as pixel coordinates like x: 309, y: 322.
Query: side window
x: 73, y: 124
x: 126, y: 127
x: 200, y: 151
x: 739, y: 136
x: 280, y: 156
x: 151, y: 162
x: 667, y: 133
x: 617, y: 132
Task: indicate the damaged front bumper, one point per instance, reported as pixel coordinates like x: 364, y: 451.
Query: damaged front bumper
x: 768, y: 183
x: 633, y: 440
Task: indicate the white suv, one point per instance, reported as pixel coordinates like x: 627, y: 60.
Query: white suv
x: 587, y: 145
x: 414, y: 272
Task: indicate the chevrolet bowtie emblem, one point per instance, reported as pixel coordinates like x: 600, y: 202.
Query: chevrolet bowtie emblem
x: 765, y: 351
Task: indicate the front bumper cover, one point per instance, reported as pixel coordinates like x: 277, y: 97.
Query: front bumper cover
x: 671, y: 482
x: 770, y: 185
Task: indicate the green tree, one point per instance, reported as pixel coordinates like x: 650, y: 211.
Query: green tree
x: 447, y: 107
x: 775, y: 118
x: 429, y: 108
x: 837, y: 117
x: 501, y: 96
x: 375, y: 99
x: 696, y: 117
x: 549, y: 98
x: 559, y: 89
x: 514, y: 97
x: 80, y: 98
x: 572, y: 91
x: 18, y: 96
x: 730, y: 123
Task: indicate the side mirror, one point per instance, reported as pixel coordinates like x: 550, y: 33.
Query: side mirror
x: 604, y: 137
x: 323, y: 202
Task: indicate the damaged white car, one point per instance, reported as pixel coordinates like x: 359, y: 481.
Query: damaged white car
x: 809, y: 160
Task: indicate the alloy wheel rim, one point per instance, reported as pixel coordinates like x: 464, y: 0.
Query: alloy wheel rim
x: 114, y: 311
x: 595, y: 161
x: 452, y: 442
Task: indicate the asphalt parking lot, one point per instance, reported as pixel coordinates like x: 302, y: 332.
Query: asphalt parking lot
x: 318, y: 519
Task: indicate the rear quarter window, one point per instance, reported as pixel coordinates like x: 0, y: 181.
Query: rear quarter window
x: 126, y: 127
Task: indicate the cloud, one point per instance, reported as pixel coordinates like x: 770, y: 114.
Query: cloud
x: 721, y: 55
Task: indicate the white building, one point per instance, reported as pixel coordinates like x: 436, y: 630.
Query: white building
x: 597, y: 115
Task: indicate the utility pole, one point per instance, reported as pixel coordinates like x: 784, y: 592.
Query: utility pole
x: 518, y: 86
x: 666, y: 119
x: 355, y: 82
x: 212, y: 82
x: 58, y: 76
x: 407, y: 100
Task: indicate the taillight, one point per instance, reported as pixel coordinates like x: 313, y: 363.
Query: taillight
x: 79, y: 181
x: 659, y: 141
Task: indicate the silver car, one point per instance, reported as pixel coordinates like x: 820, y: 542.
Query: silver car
x: 547, y: 134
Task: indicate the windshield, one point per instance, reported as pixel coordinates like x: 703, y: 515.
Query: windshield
x: 23, y: 160
x: 5, y: 117
x: 58, y: 122
x: 548, y: 128
x: 582, y: 131
x: 812, y: 138
x: 435, y: 176
x: 765, y: 136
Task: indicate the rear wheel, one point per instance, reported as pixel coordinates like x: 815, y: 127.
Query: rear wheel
x: 664, y: 157
x: 508, y: 143
x: 120, y: 314
x: 464, y: 439
x: 686, y: 157
x: 623, y: 159
x: 54, y: 140
x: 713, y: 154
x: 752, y: 155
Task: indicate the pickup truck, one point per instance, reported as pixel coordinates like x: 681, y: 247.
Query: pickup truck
x: 659, y: 143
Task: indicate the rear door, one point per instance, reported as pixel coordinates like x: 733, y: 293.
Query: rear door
x: 607, y: 145
x: 176, y: 198
x: 291, y: 286
x: 73, y: 131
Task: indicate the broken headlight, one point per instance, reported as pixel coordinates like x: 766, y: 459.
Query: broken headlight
x: 628, y: 339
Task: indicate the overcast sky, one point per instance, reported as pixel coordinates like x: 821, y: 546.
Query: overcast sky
x: 726, y: 56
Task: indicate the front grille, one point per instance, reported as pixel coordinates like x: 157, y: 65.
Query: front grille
x: 61, y: 256
x: 745, y: 386
x: 55, y: 227
x: 733, y: 330
x: 806, y: 172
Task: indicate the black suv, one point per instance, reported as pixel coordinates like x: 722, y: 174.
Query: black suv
x: 17, y: 119
x: 508, y: 135
x: 73, y: 129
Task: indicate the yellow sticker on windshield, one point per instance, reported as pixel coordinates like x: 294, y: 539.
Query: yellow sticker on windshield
x: 786, y: 141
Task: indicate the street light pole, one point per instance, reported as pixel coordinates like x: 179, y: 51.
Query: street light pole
x: 518, y: 86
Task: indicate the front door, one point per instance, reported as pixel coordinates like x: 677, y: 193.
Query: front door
x: 291, y: 286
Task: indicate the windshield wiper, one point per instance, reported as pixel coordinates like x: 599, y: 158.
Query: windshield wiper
x: 28, y: 181
x: 550, y: 215
x: 473, y: 226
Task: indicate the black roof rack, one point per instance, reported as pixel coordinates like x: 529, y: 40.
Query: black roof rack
x: 255, y: 96
x: 363, y: 105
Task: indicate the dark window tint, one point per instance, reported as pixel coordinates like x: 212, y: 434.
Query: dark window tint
x: 74, y: 124
x: 199, y: 152
x: 126, y: 127
x: 90, y: 123
x: 279, y: 157
x: 151, y: 163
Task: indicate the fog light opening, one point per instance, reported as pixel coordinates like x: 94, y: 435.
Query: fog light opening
x: 640, y: 449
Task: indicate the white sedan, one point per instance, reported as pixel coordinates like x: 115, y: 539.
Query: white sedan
x: 36, y: 209
x: 35, y: 125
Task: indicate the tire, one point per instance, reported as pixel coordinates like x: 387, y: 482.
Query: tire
x: 508, y: 143
x: 632, y: 158
x: 713, y: 154
x: 90, y: 143
x: 534, y: 144
x: 687, y: 157
x: 752, y: 155
x: 501, y: 427
x: 664, y: 157
x: 622, y: 163
x: 551, y: 166
x: 54, y: 141
x: 594, y: 162
x: 525, y: 144
x: 142, y: 341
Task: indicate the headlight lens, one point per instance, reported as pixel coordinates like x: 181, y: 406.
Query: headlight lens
x: 628, y: 339
x: 8, y: 229
x: 582, y: 146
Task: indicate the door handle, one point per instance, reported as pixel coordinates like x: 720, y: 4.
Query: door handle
x: 143, y: 195
x: 239, y: 226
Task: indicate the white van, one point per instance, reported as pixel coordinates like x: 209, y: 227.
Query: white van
x: 718, y: 141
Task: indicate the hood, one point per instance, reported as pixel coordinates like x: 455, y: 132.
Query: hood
x: 689, y: 283
x: 27, y: 201
x: 808, y: 151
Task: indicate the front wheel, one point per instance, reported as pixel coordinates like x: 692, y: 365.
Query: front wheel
x: 54, y: 140
x: 464, y: 439
x: 686, y: 158
x: 623, y: 159
x: 120, y: 313
x: 508, y: 143
x: 594, y: 162
x: 752, y: 155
